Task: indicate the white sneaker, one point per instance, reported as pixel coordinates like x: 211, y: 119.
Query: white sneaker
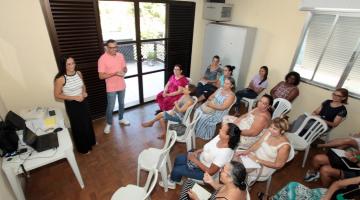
x: 124, y: 122
x: 171, y: 184
x: 107, y: 129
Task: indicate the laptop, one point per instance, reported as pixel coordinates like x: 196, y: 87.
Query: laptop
x: 15, y: 121
x: 42, y: 142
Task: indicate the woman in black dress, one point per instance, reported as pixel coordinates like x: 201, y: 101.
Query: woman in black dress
x: 69, y: 86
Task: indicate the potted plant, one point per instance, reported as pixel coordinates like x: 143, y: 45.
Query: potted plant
x: 151, y: 57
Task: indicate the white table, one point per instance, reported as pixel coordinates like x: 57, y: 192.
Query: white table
x: 12, y: 167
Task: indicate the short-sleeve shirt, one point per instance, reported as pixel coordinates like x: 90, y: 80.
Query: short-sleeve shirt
x: 329, y: 113
x: 110, y: 64
x: 212, y: 154
x: 212, y: 75
x: 257, y: 79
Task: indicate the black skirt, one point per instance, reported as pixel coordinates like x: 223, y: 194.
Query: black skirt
x: 81, y: 125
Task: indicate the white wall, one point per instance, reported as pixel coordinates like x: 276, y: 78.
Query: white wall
x: 27, y: 63
x: 279, y: 24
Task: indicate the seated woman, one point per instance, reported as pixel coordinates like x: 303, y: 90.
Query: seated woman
x: 173, y: 90
x: 232, y: 186
x: 287, y: 89
x: 348, y: 188
x: 207, y: 83
x: 322, y: 167
x: 213, y: 110
x: 210, y: 159
x: 177, y: 113
x: 332, y: 111
x: 253, y: 123
x: 227, y: 72
x: 271, y: 150
x: 257, y: 84
x: 343, y: 143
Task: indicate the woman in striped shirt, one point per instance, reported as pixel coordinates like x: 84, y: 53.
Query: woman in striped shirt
x: 70, y: 87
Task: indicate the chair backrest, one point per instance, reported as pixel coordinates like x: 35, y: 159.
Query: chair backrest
x: 227, y: 110
x: 317, y: 128
x: 282, y: 106
x: 169, y: 143
x: 186, y: 118
x: 189, y: 79
x: 291, y: 153
x: 191, y: 126
x: 150, y: 182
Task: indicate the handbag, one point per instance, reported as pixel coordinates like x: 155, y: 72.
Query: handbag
x: 8, y: 139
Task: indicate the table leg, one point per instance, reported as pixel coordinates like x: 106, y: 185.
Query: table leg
x: 15, y: 184
x: 72, y: 161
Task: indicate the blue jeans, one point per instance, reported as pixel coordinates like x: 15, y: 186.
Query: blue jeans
x: 248, y: 93
x: 181, y: 169
x: 111, y: 96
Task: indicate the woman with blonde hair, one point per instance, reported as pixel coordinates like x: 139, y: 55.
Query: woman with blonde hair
x: 271, y: 150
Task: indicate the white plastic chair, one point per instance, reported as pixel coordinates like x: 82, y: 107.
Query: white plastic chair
x: 159, y: 159
x: 186, y: 119
x: 301, y: 143
x: 326, y: 136
x: 188, y: 137
x: 134, y: 192
x: 249, y: 102
x: 283, y: 106
x: 268, y: 178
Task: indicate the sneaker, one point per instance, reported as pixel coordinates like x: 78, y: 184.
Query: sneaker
x: 107, y: 129
x: 124, y: 122
x: 171, y: 184
x: 311, y: 176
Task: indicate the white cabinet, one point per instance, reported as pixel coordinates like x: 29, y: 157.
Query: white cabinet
x: 234, y: 45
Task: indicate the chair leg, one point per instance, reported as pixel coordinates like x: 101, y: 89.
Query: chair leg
x: 138, y: 175
x: 164, y: 178
x: 250, y: 106
x: 305, y: 156
x: 168, y: 162
x: 327, y: 137
x: 268, y: 183
x: 193, y: 141
x: 188, y: 142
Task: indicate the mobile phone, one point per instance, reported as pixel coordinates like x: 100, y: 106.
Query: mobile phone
x: 52, y: 112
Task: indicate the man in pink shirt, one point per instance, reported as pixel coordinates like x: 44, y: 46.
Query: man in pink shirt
x: 112, y: 68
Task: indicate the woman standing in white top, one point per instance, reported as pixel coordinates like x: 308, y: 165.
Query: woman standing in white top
x: 70, y: 87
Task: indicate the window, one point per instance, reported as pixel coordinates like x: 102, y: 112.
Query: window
x: 328, y: 55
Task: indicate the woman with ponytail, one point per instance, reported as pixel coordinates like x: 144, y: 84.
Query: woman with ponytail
x: 253, y: 123
x: 257, y: 84
x: 232, y: 186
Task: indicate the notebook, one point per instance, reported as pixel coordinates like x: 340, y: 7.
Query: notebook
x: 341, y: 153
x: 201, y: 192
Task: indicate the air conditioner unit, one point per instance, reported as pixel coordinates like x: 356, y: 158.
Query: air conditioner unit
x: 219, y: 12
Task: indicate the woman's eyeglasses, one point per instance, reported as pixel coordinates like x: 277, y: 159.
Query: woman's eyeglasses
x: 337, y: 95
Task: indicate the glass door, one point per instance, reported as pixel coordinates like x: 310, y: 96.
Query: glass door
x: 139, y: 29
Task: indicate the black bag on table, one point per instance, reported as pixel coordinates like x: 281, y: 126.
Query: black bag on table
x: 8, y: 138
